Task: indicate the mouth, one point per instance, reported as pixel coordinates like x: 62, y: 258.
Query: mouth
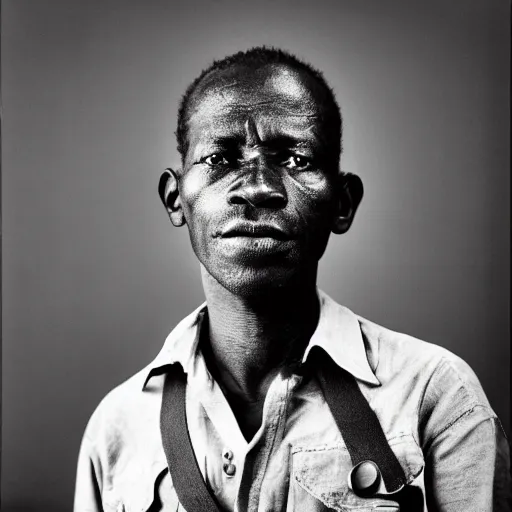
x: 254, y: 230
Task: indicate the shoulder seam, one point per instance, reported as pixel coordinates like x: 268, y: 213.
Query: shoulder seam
x: 475, y: 400
x: 463, y: 382
x: 427, y: 384
x: 491, y: 416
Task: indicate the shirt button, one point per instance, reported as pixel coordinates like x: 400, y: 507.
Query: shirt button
x: 228, y: 454
x: 229, y: 469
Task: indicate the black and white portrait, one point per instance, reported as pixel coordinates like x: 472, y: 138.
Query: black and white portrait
x: 255, y: 256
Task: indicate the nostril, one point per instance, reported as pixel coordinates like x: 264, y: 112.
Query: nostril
x: 236, y: 199
x: 274, y: 202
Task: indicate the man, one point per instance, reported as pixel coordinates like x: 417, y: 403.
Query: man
x: 260, y: 190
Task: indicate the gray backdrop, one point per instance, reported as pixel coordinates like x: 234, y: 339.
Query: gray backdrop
x: 94, y: 276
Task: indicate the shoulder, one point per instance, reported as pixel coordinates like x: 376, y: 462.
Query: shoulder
x: 117, y: 405
x: 124, y: 428
x: 442, y: 385
x: 126, y: 407
x: 392, y: 352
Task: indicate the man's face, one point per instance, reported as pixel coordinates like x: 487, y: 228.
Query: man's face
x: 258, y: 183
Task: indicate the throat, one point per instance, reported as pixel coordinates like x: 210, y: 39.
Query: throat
x: 249, y: 415
x: 247, y: 343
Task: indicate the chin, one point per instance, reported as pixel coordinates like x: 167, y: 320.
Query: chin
x: 252, y: 282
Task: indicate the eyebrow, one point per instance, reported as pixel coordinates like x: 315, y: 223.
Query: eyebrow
x: 272, y: 142
x: 285, y: 141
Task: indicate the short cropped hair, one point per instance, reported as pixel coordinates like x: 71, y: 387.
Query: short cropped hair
x: 256, y: 58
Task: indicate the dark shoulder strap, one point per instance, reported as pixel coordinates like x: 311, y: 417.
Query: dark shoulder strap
x: 187, y: 479
x: 356, y: 420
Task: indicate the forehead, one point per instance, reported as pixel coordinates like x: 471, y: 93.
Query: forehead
x: 241, y: 86
x: 274, y: 97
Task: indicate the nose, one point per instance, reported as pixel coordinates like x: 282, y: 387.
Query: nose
x: 261, y: 188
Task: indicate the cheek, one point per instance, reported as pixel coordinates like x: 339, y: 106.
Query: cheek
x: 313, y: 194
x: 201, y: 201
x: 314, y: 201
x: 191, y: 185
x: 191, y: 193
x: 202, y: 204
x: 313, y: 182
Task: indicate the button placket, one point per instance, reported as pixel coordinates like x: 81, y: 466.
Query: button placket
x: 261, y: 449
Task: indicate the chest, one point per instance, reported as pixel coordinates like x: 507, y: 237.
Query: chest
x: 296, y: 462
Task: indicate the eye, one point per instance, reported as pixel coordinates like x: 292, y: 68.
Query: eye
x: 297, y: 162
x: 217, y: 159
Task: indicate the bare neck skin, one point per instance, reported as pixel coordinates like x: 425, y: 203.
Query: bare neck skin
x: 249, y: 340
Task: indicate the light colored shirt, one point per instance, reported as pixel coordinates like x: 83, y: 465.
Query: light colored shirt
x: 430, y: 405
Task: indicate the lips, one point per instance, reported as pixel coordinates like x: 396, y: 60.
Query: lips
x: 254, y: 230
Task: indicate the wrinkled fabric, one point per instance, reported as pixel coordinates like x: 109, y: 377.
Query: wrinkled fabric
x: 430, y: 405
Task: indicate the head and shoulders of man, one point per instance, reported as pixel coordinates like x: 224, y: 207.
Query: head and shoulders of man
x: 261, y: 190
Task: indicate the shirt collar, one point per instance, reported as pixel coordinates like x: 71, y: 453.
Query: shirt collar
x: 338, y: 333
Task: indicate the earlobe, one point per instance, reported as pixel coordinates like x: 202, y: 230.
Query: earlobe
x: 350, y: 193
x: 168, y: 191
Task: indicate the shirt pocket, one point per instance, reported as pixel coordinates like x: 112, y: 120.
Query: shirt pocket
x: 319, y: 478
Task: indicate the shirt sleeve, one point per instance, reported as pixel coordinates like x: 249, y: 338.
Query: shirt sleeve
x: 467, y: 455
x: 87, y: 488
x: 467, y: 466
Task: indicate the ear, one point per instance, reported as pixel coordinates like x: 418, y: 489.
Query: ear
x: 169, y: 194
x: 350, y: 192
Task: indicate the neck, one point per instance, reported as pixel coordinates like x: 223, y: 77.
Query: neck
x: 251, y: 338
